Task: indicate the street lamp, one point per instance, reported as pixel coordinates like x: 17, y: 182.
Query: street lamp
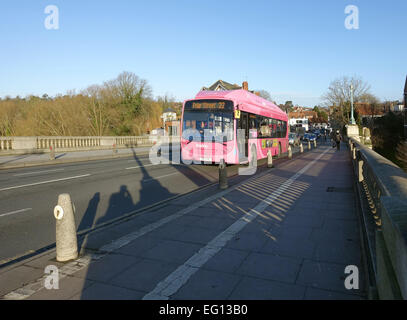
x: 352, y: 119
x: 405, y: 110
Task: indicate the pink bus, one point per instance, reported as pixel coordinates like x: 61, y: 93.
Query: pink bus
x: 237, y: 126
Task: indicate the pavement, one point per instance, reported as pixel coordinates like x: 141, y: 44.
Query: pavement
x: 284, y: 233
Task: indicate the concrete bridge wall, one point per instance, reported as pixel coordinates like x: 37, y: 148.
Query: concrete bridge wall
x: 18, y: 145
x: 382, y: 189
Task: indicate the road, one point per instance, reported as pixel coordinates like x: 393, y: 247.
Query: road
x: 101, y: 190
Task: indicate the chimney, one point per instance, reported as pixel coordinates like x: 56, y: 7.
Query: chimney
x: 245, y: 86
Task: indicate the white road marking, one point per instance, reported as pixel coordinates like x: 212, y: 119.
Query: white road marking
x: 160, y: 177
x: 36, y: 172
x: 147, y: 165
x: 172, y: 283
x: 13, y: 212
x: 43, y: 182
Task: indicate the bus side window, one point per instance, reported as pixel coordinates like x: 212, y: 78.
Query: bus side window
x: 252, y: 123
x: 279, y: 129
x: 264, y: 128
x: 275, y: 128
x: 270, y: 124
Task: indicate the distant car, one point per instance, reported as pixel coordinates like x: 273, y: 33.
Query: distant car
x: 294, y: 139
x: 310, y: 137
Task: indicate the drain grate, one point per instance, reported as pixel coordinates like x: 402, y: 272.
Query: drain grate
x: 343, y: 190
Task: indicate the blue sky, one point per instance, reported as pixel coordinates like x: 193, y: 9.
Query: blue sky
x: 291, y: 48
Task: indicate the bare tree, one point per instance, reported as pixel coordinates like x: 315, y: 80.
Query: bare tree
x: 265, y: 95
x: 9, y: 113
x: 339, y: 94
x: 97, y: 109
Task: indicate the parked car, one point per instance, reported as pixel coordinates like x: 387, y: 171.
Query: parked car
x: 294, y: 139
x: 310, y: 137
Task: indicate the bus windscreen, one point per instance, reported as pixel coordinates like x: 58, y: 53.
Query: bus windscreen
x: 203, y: 120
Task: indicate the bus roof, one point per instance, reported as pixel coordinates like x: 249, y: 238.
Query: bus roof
x: 247, y: 101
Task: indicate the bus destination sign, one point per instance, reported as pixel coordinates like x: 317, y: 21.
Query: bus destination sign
x: 209, y: 105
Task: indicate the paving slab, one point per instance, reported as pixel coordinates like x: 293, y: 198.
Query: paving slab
x: 139, y: 246
x: 338, y: 251
x: 16, y: 277
x: 208, y: 285
x: 68, y: 287
x: 323, y: 275
x: 260, y: 289
x: 318, y: 294
x: 144, y: 275
x: 103, y: 291
x: 106, y: 268
x: 226, y: 260
x: 249, y: 241
x: 270, y: 267
x: 290, y: 245
x: 171, y: 251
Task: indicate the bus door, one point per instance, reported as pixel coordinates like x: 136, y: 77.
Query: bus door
x: 243, y: 144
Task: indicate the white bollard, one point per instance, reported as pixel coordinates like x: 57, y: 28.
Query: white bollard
x: 315, y: 143
x: 301, y: 148
x: 66, y: 241
x: 290, y: 152
x: 309, y: 145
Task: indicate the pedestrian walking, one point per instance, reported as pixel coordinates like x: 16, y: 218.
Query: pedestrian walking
x: 337, y: 139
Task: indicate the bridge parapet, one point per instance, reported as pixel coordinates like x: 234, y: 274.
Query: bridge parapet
x: 16, y: 145
x: 382, y: 189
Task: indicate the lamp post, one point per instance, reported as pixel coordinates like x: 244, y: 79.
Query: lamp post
x: 352, y: 119
x: 405, y: 110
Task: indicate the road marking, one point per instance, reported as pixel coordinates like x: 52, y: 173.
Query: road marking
x: 147, y: 165
x: 13, y: 212
x: 172, y: 283
x: 43, y: 182
x: 156, y: 178
x: 36, y: 172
